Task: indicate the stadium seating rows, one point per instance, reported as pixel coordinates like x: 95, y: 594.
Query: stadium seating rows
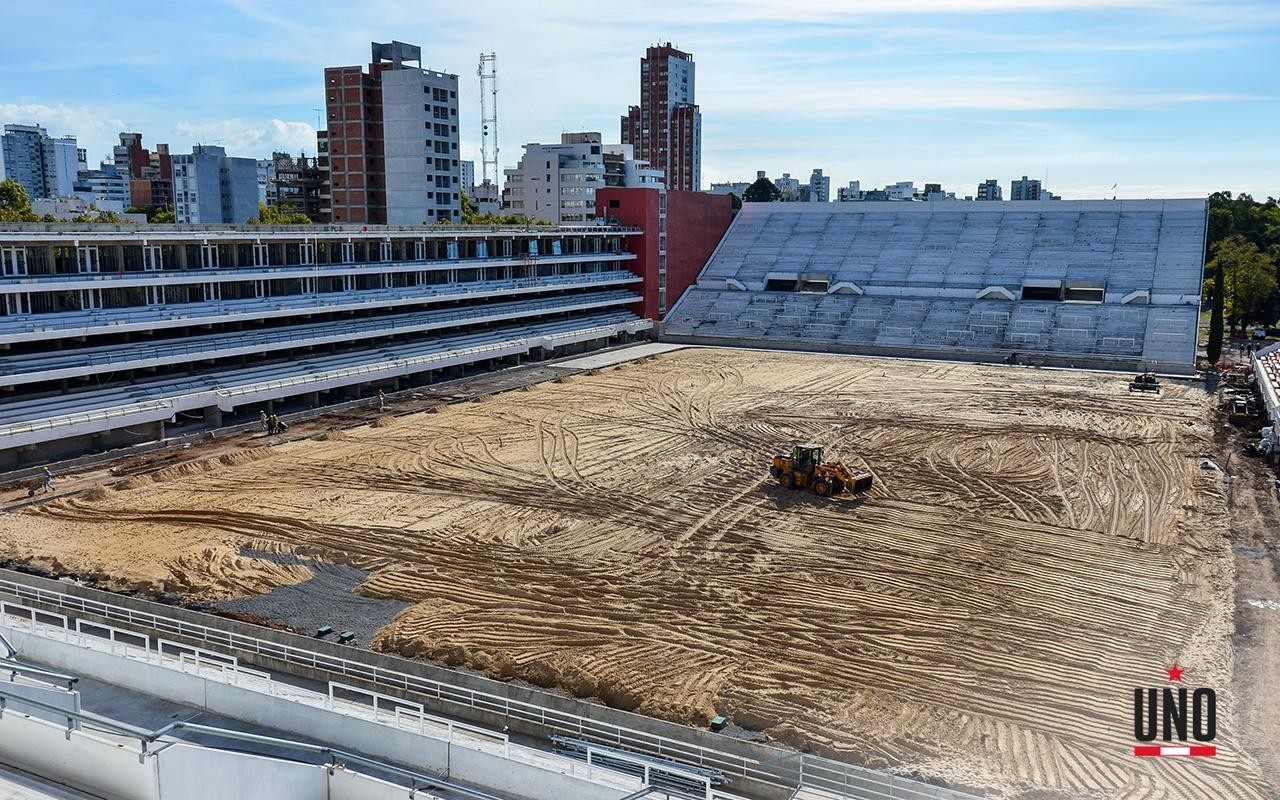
x: 39, y: 418
x: 34, y: 327
x: 950, y: 277
x: 90, y: 360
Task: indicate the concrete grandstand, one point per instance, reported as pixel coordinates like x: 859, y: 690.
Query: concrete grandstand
x: 109, y: 333
x: 1095, y: 283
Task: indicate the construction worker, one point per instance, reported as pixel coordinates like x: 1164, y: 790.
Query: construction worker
x: 262, y: 415
x: 273, y: 424
x: 46, y: 480
x: 382, y: 401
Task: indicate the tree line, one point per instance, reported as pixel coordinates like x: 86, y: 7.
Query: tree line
x: 1242, y: 250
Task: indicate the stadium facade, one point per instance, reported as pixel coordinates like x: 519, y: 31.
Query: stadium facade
x: 111, y: 333
x: 1091, y: 283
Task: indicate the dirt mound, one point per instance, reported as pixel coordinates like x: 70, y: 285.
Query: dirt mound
x: 94, y: 493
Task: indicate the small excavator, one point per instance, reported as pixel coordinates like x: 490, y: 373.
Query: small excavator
x: 804, y: 469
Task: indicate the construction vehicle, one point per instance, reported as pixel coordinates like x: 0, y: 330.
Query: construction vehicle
x: 1239, y: 412
x: 804, y: 469
x: 1146, y: 382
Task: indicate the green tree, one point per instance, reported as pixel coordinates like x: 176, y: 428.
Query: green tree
x: 1248, y: 280
x: 283, y: 214
x: 15, y: 203
x: 162, y: 216
x: 735, y: 202
x: 94, y: 215
x: 762, y: 191
x: 470, y: 213
x: 471, y: 216
x: 1214, y: 350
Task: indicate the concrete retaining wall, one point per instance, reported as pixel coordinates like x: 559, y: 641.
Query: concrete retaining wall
x: 1124, y: 364
x: 77, y: 759
x: 49, y: 695
x: 202, y: 773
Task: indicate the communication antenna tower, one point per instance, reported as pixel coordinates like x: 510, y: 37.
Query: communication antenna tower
x: 488, y: 72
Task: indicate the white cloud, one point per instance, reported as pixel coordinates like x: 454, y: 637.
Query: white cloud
x: 828, y: 10
x: 251, y: 138
x: 84, y: 122
x: 761, y: 93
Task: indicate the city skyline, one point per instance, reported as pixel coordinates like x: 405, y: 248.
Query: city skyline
x: 1168, y: 99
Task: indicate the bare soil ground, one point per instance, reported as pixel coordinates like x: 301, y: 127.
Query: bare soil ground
x: 1038, y: 544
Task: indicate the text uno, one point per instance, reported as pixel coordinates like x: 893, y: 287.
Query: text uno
x: 1146, y: 712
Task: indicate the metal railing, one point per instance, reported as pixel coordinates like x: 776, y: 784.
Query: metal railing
x: 378, y: 708
x: 192, y: 313
x: 522, y: 340
x: 784, y: 768
x: 245, y: 233
x: 324, y: 333
x: 34, y: 282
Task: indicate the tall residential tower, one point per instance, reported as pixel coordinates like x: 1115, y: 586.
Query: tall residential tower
x: 392, y: 140
x: 666, y: 128
x: 46, y: 167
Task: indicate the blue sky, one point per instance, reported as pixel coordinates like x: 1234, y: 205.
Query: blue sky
x: 1165, y: 98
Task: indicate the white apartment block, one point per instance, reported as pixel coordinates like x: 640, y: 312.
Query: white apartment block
x: 46, y: 167
x: 788, y: 187
x: 851, y: 193
x: 557, y: 182
x: 819, y: 187
x: 420, y: 145
x: 210, y: 189
x: 902, y: 190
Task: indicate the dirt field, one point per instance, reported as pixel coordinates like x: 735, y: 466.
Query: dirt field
x: 1039, y: 543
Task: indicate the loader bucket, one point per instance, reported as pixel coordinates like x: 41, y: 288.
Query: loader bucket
x: 860, y: 483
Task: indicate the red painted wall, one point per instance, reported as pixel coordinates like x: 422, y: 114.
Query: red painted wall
x: 695, y: 224
x: 637, y: 208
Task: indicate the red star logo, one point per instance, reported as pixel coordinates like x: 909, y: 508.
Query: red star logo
x: 1175, y: 672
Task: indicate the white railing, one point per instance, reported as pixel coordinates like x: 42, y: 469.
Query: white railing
x: 786, y: 768
x: 175, y: 276
x: 324, y: 333
x: 383, y: 709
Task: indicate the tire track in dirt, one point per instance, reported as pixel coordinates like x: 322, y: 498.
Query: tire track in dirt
x: 1037, y: 543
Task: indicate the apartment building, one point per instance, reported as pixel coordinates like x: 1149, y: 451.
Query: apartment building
x: 392, y: 140
x: 212, y: 188
x: 557, y: 183
x: 666, y: 128
x: 45, y: 166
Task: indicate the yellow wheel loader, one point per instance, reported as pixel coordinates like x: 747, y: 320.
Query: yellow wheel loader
x: 804, y: 469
